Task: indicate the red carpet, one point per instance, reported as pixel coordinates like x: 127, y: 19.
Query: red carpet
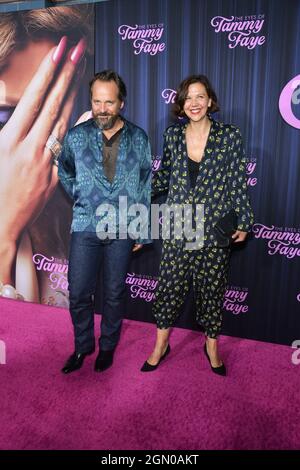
x: 182, y: 405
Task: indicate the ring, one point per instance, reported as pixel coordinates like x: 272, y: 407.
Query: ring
x: 55, y: 146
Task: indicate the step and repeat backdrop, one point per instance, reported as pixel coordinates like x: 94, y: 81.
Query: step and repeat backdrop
x: 250, y: 51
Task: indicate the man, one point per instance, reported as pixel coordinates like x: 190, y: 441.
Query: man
x: 104, y: 158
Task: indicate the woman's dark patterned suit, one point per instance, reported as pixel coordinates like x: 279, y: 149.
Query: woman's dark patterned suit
x: 220, y: 186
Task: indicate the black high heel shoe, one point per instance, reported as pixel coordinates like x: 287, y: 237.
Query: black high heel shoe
x: 149, y: 368
x: 220, y: 370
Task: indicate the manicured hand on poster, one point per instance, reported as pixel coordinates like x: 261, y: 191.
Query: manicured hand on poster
x: 27, y: 174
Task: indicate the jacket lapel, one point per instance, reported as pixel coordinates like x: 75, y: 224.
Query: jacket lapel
x: 181, y: 162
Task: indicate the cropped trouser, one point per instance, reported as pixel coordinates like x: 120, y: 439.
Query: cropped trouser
x: 207, y: 269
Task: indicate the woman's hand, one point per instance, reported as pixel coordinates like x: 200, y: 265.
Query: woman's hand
x: 27, y: 174
x: 239, y: 236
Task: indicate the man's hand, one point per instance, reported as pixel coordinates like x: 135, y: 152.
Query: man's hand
x: 137, y: 246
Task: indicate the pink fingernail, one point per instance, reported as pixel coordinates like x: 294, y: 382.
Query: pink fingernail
x: 60, y: 49
x: 78, y: 51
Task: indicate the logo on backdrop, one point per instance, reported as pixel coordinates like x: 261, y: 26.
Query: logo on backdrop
x: 250, y: 169
x: 281, y: 241
x: 242, y: 31
x: 156, y: 162
x: 141, y: 286
x: 234, y: 300
x: 145, y: 38
x: 298, y: 297
x: 57, y: 272
x: 168, y: 95
x: 296, y: 354
x: 289, y: 97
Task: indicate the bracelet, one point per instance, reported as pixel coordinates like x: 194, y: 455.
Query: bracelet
x: 9, y: 292
x: 55, y: 161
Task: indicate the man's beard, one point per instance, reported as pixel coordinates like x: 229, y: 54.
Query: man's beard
x: 108, y: 122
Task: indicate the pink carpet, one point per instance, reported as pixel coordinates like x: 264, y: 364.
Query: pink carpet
x: 182, y: 405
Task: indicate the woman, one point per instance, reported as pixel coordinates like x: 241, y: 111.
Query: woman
x: 42, y: 61
x: 203, y: 163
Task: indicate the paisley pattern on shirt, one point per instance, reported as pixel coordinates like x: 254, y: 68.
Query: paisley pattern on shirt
x: 82, y: 176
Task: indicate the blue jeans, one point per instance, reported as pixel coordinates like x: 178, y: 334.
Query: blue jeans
x: 87, y: 255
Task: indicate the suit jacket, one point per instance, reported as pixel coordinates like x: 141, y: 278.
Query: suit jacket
x: 221, y: 183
